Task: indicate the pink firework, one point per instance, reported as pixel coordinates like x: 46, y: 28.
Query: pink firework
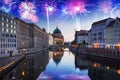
x: 27, y: 11
x: 105, y: 6
x: 77, y: 7
x: 7, y: 1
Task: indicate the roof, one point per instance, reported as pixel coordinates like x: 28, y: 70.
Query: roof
x: 101, y: 21
x: 111, y: 24
x: 57, y: 31
x: 82, y: 33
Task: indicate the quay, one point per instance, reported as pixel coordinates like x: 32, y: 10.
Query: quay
x: 98, y: 52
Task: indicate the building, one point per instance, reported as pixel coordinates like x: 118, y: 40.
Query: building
x: 98, y: 33
x: 18, y: 37
x: 30, y: 38
x: 113, y: 34
x: 81, y: 36
x: 8, y: 39
x: 58, y: 38
x: 50, y: 40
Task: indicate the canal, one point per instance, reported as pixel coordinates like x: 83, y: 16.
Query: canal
x: 64, y: 65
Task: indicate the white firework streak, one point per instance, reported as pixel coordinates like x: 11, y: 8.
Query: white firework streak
x: 27, y: 11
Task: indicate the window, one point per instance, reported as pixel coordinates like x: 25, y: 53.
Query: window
x: 2, y: 23
x: 11, y: 26
x: 6, y: 20
x: 14, y: 32
x: 6, y: 25
x: 2, y: 29
x: 11, y: 21
x: 2, y: 18
x: 11, y: 31
x: 7, y: 30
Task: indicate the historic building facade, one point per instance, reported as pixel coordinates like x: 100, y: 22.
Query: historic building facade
x: 57, y: 37
x: 98, y: 33
x: 81, y: 36
x: 113, y: 34
x: 18, y: 37
x: 8, y: 39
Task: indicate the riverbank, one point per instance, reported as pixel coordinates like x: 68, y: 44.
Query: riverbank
x: 98, y: 52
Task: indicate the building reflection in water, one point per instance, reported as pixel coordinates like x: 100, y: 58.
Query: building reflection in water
x: 30, y: 68
x: 57, y: 56
x: 62, y: 67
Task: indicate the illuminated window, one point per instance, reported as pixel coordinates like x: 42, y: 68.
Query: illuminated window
x: 7, y: 30
x: 3, y: 29
x: 2, y: 23
x: 11, y: 26
x: 11, y: 31
x: 6, y: 25
x: 14, y: 32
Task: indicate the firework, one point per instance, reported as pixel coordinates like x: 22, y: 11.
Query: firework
x: 105, y: 6
x: 27, y: 11
x: 7, y: 1
x: 77, y: 7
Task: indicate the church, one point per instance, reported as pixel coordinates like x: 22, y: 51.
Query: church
x: 58, y: 38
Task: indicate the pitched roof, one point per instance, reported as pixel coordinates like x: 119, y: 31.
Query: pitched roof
x: 98, y: 22
x: 111, y: 24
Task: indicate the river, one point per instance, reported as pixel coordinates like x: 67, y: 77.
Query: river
x: 64, y: 65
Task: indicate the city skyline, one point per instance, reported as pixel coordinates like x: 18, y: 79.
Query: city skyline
x: 68, y: 15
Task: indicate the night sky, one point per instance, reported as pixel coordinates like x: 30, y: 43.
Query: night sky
x: 68, y: 15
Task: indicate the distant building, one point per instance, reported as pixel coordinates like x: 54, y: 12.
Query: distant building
x: 58, y: 37
x: 18, y: 37
x: 81, y: 36
x: 50, y: 39
x: 113, y: 34
x: 8, y: 36
x: 98, y: 33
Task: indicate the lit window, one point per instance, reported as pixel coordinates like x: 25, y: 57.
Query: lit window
x: 11, y: 26
x: 11, y: 31
x: 2, y: 23
x: 14, y: 27
x: 14, y: 32
x: 7, y: 30
x: 3, y: 29
x: 6, y: 25
x: 11, y: 21
x: 6, y: 20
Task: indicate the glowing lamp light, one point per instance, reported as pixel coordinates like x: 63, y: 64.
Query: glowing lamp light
x: 118, y: 71
x: 23, y: 73
x: 108, y: 67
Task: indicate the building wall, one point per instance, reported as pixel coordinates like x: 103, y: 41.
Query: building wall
x: 80, y: 39
x: 18, y: 37
x: 8, y: 26
x: 98, y: 32
x: 81, y: 36
x: 113, y: 34
x: 50, y: 39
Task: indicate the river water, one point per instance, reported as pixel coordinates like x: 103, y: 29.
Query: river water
x: 64, y: 65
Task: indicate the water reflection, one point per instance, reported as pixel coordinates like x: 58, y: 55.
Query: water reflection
x: 57, y: 56
x: 30, y: 68
x: 101, y: 68
x: 62, y: 67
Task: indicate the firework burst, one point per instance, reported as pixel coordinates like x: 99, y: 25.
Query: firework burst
x: 105, y: 6
x: 27, y: 11
x: 7, y: 1
x: 77, y: 7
